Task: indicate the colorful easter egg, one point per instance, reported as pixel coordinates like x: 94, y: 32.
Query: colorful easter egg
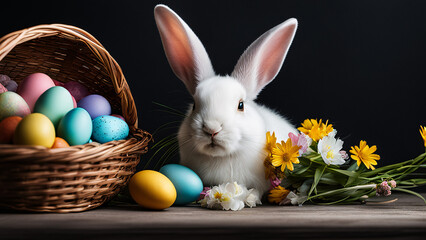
x: 7, y: 129
x: 74, y: 103
x: 109, y: 128
x: 33, y: 86
x: 57, y: 83
x: 2, y: 88
x: 76, y: 127
x: 96, y: 105
x: 60, y: 143
x: 187, y: 183
x: 35, y: 129
x: 11, y: 104
x: 8, y: 83
x: 152, y: 190
x: 54, y: 103
x: 77, y: 90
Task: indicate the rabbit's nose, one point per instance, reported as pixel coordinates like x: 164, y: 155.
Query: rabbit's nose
x: 212, y: 129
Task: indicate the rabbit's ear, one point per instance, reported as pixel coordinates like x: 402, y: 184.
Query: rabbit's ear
x: 263, y: 59
x: 186, y: 54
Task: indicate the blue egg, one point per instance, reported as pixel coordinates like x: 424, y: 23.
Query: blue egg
x: 108, y: 128
x: 54, y: 103
x: 187, y: 183
x: 76, y: 127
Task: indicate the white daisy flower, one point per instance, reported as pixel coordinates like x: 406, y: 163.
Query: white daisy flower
x: 329, y: 147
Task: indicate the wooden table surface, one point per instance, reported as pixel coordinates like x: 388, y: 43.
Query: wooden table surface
x: 403, y: 219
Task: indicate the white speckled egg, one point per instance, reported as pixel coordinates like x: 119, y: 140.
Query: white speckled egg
x: 108, y: 128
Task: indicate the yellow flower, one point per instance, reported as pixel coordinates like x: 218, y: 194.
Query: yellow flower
x: 316, y: 130
x: 271, y: 141
x: 284, y: 155
x: 277, y: 194
x: 423, y: 133
x: 364, y: 154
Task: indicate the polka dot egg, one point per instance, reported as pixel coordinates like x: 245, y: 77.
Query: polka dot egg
x: 108, y: 128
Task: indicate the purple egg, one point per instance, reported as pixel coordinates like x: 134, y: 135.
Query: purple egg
x: 8, y: 83
x: 77, y: 90
x: 12, y: 86
x: 95, y: 105
x: 4, y: 79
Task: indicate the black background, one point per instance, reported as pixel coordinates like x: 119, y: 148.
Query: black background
x: 360, y: 64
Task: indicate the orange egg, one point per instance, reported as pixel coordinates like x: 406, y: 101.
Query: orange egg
x: 7, y: 129
x: 60, y: 143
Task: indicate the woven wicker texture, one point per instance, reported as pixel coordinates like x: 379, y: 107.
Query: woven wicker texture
x: 81, y: 177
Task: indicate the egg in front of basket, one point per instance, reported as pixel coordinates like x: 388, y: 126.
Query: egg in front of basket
x: 109, y: 128
x: 152, y: 190
x: 187, y: 183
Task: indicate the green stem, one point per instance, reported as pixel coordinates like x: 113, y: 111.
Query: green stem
x: 316, y: 158
x: 368, y: 186
x: 394, y: 166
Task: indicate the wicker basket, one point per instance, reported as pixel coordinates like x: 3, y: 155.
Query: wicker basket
x: 76, y: 178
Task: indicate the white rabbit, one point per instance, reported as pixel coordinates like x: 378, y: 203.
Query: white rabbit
x: 223, y: 136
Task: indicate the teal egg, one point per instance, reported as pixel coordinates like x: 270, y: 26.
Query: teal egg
x: 108, y: 128
x: 54, y: 103
x: 76, y: 127
x: 187, y: 183
x: 11, y: 104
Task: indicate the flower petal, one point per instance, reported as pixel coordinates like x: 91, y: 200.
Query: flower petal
x: 276, y: 161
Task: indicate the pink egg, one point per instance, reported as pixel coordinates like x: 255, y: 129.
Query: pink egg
x: 118, y: 116
x: 2, y: 88
x: 33, y: 86
x: 74, y: 102
x: 57, y: 83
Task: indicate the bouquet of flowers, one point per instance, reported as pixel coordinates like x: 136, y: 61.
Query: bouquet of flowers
x: 312, y: 166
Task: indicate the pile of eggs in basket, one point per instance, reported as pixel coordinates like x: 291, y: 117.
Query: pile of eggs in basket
x: 45, y: 112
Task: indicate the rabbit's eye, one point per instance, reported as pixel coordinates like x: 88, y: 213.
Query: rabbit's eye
x: 241, y: 106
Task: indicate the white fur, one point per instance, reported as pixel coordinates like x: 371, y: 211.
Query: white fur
x: 236, y: 152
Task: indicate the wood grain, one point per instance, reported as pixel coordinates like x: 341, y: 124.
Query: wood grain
x: 403, y: 219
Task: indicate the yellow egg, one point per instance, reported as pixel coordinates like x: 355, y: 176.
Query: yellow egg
x: 153, y: 190
x: 35, y: 129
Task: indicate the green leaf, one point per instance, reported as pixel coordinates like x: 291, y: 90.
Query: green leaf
x: 353, y: 167
x: 304, y: 161
x: 410, y: 192
x: 344, y: 172
x: 318, y: 174
x: 300, y: 169
x: 333, y: 179
x: 332, y: 193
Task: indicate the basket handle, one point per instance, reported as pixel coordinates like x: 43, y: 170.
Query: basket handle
x: 8, y: 42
